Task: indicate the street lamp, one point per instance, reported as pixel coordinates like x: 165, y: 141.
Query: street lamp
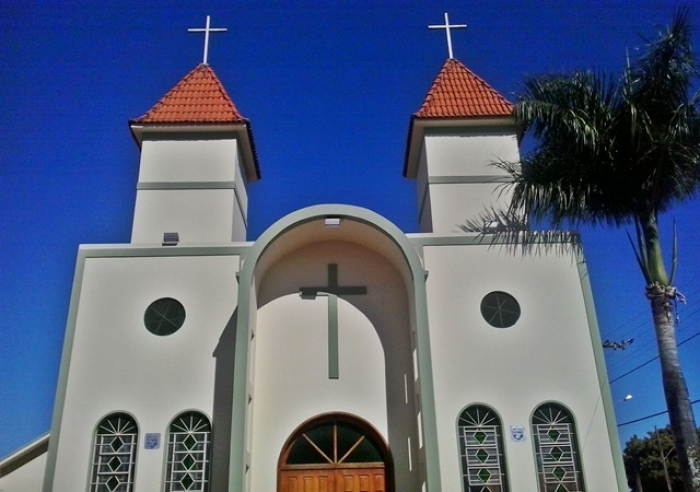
x: 626, y: 398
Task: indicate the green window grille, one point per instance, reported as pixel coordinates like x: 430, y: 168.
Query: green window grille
x: 558, y: 466
x: 189, y: 453
x: 164, y: 316
x: 500, y: 309
x: 481, y: 450
x: 114, y: 454
x: 334, y: 442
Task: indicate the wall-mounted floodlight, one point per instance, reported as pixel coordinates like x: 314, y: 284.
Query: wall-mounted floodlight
x: 171, y: 238
x: 492, y: 226
x: 332, y: 221
x: 311, y: 293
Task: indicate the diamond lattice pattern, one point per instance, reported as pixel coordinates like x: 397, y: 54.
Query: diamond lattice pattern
x: 188, y: 454
x: 481, y: 458
x: 114, y: 454
x: 556, y: 456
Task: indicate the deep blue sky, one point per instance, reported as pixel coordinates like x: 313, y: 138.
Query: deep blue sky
x: 329, y: 87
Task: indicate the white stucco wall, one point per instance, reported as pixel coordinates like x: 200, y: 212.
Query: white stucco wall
x: 460, y: 203
x: 469, y: 153
x: 291, y: 375
x: 188, y: 160
x: 118, y: 365
x: 193, y: 186
x: 546, y: 356
x: 198, y: 216
x: 461, y: 180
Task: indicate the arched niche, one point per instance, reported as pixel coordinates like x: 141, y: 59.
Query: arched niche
x: 367, y: 250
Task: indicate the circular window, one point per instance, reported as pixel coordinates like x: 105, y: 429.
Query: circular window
x: 164, y: 316
x: 500, y: 309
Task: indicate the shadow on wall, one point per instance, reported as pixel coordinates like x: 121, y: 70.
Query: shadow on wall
x: 223, y: 405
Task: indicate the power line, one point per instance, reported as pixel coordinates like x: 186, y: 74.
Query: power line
x: 652, y: 415
x: 633, y: 330
x: 682, y: 316
x: 646, y: 345
x: 633, y: 370
x: 651, y: 360
x: 646, y: 342
x: 641, y: 346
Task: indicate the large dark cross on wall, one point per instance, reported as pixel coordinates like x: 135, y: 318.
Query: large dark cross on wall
x: 332, y: 291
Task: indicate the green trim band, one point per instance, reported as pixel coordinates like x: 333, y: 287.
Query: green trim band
x: 599, y: 356
x: 128, y: 251
x: 440, y: 180
x: 186, y: 185
x: 468, y: 179
x: 461, y: 240
x: 478, y: 239
x: 62, y: 385
x: 196, y: 185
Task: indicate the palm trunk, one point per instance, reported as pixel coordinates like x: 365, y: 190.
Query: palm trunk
x: 662, y: 297
x: 638, y: 482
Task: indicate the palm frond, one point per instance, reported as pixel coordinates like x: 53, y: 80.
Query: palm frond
x: 668, y: 137
x: 674, y: 255
x: 640, y: 253
x: 610, y: 149
x: 565, y: 106
x: 508, y: 229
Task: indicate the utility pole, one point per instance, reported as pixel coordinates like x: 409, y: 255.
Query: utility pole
x: 638, y: 476
x: 663, y: 460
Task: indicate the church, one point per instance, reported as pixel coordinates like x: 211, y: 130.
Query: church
x: 334, y: 352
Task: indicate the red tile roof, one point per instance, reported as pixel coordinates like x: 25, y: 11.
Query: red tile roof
x: 197, y: 98
x: 459, y: 93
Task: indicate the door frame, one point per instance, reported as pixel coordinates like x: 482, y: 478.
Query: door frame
x: 325, y: 418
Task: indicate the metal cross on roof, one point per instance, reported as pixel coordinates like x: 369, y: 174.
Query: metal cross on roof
x: 447, y: 26
x: 206, y: 30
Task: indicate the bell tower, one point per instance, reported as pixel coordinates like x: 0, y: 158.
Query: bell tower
x: 197, y: 160
x: 462, y: 127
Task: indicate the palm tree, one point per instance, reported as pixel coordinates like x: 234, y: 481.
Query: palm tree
x: 621, y: 152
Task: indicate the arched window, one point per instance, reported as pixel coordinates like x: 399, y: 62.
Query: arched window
x: 335, y: 452
x: 481, y: 450
x: 558, y: 465
x: 189, y: 453
x: 114, y: 454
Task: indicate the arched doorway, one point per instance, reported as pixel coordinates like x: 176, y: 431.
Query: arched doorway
x: 335, y: 452
x: 295, y: 254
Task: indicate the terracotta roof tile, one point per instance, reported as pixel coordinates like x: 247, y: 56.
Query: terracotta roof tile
x: 459, y: 93
x: 198, y: 98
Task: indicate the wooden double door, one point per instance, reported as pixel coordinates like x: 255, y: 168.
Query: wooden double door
x: 334, y: 453
x: 334, y: 480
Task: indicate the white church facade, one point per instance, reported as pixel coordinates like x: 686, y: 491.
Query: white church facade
x: 334, y: 353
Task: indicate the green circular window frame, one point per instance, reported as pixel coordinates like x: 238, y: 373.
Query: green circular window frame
x: 164, y: 316
x: 500, y: 309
